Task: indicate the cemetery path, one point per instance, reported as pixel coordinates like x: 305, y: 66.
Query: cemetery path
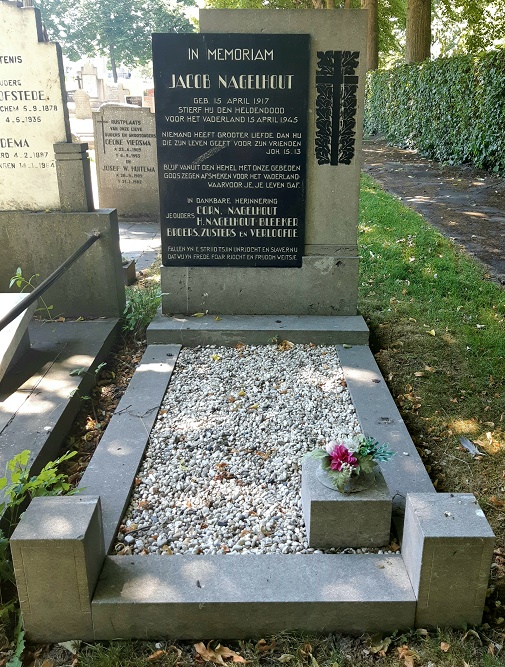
x: 465, y: 204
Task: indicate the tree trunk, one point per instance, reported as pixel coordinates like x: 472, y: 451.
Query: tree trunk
x: 418, y: 33
x: 113, y: 63
x: 373, y: 33
x: 318, y: 4
x: 347, y: 4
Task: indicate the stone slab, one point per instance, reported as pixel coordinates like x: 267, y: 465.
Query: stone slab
x: 192, y: 597
x: 112, y: 469
x: 336, y: 519
x: 379, y: 418
x: 14, y: 334
x: 256, y: 330
x: 324, y: 285
x: 447, y: 549
x: 61, y: 536
x: 93, y: 286
x: 39, y: 398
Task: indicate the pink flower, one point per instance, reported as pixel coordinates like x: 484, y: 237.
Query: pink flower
x: 341, y: 455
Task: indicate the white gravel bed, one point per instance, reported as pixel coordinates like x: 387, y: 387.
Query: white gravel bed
x: 222, y: 473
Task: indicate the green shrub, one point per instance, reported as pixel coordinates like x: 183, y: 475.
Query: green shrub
x: 450, y: 109
x: 142, y: 303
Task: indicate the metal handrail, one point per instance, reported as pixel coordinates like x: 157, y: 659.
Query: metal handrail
x: 46, y: 284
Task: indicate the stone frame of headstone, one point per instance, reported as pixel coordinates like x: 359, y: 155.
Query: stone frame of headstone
x: 327, y: 282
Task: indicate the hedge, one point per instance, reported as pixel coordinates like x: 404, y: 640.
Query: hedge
x: 450, y: 109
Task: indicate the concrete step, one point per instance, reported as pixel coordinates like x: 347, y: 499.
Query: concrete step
x: 39, y: 398
x: 257, y: 329
x: 14, y: 338
x: 251, y: 595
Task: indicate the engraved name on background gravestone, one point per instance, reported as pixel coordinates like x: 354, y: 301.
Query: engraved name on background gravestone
x: 231, y: 117
x: 33, y: 116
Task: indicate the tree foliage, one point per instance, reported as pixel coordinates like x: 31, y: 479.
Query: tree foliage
x: 120, y: 29
x: 468, y: 26
x: 391, y: 16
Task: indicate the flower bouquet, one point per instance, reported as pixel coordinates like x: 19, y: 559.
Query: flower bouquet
x: 346, y: 461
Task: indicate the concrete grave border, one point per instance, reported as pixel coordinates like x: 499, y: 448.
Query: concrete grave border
x: 440, y: 578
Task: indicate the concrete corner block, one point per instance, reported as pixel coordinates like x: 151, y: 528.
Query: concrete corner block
x: 447, y: 550
x: 336, y: 519
x: 58, y: 552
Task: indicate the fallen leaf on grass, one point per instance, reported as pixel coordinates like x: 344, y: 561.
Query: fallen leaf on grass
x: 406, y: 655
x: 432, y: 332
x: 497, y: 502
x: 445, y: 646
x: 217, y: 655
x: 473, y: 633
x: 263, y: 647
x: 286, y: 657
x: 380, y: 645
x: 157, y: 655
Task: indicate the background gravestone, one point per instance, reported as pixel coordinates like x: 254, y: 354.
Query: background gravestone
x: 92, y: 83
x: 34, y: 115
x: 326, y: 283
x: 148, y: 98
x: 136, y: 100
x: 116, y: 92
x: 125, y: 154
x: 82, y: 104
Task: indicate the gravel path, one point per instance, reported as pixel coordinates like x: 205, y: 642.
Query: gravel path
x: 222, y: 471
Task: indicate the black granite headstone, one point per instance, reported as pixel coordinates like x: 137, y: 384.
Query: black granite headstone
x: 231, y: 119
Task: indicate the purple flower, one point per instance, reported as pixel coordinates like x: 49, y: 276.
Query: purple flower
x: 340, y: 455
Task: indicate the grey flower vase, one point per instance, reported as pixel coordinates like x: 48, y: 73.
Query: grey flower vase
x: 353, y: 485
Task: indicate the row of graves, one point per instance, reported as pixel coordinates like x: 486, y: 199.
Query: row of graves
x: 256, y: 152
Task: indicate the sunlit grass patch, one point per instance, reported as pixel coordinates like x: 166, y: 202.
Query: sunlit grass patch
x: 438, y: 331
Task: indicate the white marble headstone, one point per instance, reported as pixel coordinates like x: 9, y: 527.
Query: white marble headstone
x: 33, y: 114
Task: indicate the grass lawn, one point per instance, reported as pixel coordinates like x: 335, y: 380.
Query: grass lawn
x: 438, y: 333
